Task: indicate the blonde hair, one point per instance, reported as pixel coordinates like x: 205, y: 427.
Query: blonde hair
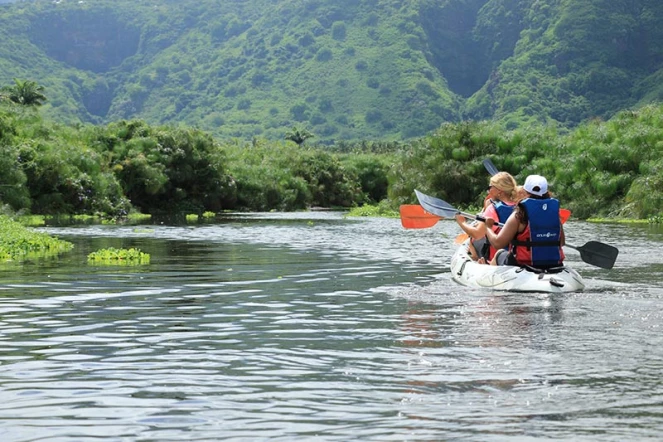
x: 506, y: 183
x: 521, y: 193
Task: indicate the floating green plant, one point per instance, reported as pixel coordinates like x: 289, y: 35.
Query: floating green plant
x: 208, y: 215
x: 130, y: 218
x: 143, y: 230
x: 113, y: 256
x: 380, y: 210
x: 620, y: 221
x: 139, y: 216
x: 32, y: 220
x: 18, y: 242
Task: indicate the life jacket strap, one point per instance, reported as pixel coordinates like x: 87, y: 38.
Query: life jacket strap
x: 529, y: 244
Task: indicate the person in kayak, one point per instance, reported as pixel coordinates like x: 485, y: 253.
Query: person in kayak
x: 533, y: 232
x: 498, y: 205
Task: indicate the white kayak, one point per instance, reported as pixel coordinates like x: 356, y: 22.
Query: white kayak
x: 467, y: 272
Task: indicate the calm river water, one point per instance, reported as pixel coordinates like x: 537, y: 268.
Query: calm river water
x: 310, y: 326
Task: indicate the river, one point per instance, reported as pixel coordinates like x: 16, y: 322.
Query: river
x: 312, y: 326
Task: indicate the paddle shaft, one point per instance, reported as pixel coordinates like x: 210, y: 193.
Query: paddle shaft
x: 594, y: 252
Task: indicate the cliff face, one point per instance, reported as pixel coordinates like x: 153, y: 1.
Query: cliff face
x: 90, y: 40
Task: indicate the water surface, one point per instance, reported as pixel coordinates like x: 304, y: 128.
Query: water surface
x: 314, y: 327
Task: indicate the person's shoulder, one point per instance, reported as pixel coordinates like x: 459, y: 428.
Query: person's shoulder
x: 490, y: 212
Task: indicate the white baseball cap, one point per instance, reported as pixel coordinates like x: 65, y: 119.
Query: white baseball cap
x: 536, y: 185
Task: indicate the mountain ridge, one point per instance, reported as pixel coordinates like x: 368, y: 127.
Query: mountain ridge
x: 380, y: 69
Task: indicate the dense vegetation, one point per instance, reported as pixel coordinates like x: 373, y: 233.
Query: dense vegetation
x: 165, y: 107
x: 599, y: 169
x: 344, y: 69
x: 48, y: 168
x: 607, y: 169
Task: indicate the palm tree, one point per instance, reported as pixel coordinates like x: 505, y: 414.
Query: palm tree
x: 25, y: 92
x: 298, y: 135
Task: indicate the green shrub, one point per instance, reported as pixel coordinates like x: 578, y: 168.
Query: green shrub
x: 373, y: 116
x: 330, y: 184
x: 338, y: 31
x: 372, y: 173
x: 324, y: 54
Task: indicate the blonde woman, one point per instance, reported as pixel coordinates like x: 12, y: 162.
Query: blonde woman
x: 500, y: 202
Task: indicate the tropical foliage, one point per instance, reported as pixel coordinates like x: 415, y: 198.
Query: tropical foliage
x: 347, y: 70
x: 298, y: 135
x: 129, y: 166
x: 604, y: 169
x: 600, y: 169
x: 25, y: 92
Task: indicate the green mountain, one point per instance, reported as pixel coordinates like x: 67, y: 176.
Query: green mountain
x: 574, y: 60
x: 344, y: 69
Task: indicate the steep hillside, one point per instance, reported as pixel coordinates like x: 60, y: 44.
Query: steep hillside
x: 344, y: 69
x: 576, y: 60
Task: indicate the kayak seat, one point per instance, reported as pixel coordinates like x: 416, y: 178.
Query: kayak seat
x: 550, y: 270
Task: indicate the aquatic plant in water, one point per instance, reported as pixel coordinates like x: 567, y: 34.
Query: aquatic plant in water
x: 381, y: 210
x: 18, y: 242
x: 113, y: 256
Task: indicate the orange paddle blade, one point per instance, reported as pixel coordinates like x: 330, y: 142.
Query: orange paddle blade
x: 413, y: 216
x: 564, y: 215
x: 461, y: 238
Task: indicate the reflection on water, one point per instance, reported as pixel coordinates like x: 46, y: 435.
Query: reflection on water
x: 313, y: 327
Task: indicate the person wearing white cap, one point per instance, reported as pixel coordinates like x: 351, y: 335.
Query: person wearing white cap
x: 533, y: 232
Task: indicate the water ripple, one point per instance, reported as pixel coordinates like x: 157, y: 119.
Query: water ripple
x: 319, y: 328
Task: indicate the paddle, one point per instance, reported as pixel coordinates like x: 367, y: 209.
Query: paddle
x: 598, y: 254
x: 595, y: 253
x: 413, y: 216
x: 490, y: 167
x: 564, y: 215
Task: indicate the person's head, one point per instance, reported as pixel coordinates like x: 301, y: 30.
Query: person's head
x: 503, y: 187
x: 536, y: 185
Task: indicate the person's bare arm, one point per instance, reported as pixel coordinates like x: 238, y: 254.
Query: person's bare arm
x: 474, y: 231
x: 508, y: 232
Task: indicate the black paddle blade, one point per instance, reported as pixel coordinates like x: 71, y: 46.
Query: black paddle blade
x: 435, y: 205
x: 598, y: 254
x: 490, y: 167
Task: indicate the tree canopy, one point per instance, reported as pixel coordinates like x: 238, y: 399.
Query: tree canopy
x: 25, y: 92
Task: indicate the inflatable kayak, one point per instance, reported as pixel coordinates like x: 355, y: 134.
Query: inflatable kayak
x: 467, y: 272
